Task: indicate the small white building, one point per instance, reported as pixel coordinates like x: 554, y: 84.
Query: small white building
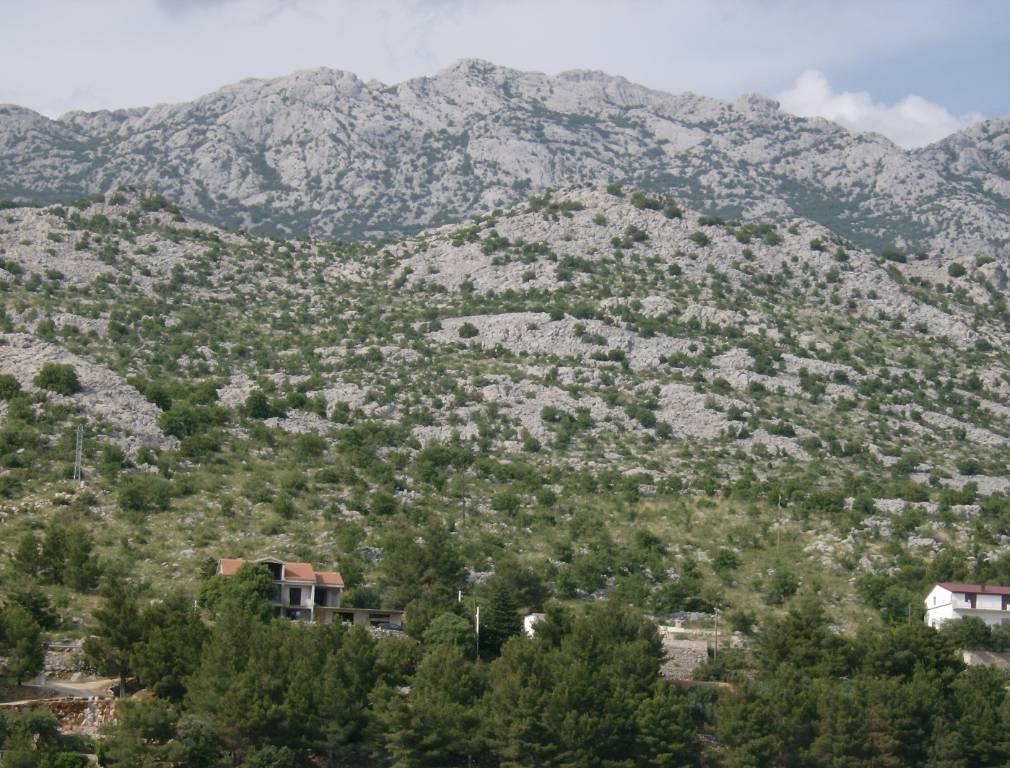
x: 947, y: 601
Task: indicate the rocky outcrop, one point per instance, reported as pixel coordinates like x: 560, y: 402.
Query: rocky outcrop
x: 104, y: 394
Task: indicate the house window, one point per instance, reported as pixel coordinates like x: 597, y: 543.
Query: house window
x: 969, y: 597
x: 934, y: 599
x: 295, y: 596
x: 1006, y: 602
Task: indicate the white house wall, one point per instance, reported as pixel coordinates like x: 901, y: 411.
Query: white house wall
x: 943, y: 605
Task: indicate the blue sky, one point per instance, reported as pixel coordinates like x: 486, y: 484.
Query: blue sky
x: 965, y: 73
x: 913, y: 70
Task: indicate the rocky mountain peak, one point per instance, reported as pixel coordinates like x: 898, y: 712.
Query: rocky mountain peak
x: 755, y: 103
x: 471, y: 67
x: 321, y: 152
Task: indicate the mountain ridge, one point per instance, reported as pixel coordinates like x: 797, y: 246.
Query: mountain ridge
x: 320, y: 151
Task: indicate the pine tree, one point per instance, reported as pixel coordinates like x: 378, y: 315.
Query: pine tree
x: 436, y: 723
x: 572, y: 695
x: 843, y: 737
x: 744, y: 723
x: 344, y: 688
x: 451, y: 629
x: 254, y: 681
x: 980, y: 693
x: 28, y: 555
x: 665, y: 733
x: 21, y: 643
x: 140, y: 734
x: 500, y: 618
x: 115, y: 631
x: 947, y: 749
x: 170, y: 646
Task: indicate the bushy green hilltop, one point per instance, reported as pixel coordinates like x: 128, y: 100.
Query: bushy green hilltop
x: 598, y: 390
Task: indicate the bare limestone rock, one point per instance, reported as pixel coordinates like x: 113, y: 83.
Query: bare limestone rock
x: 104, y: 394
x: 319, y: 151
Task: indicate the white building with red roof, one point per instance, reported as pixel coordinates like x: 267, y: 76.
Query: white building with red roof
x: 305, y: 594
x: 948, y: 600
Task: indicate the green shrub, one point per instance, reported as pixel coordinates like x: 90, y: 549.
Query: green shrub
x: 155, y: 203
x: 184, y: 419
x: 892, y: 253
x: 259, y: 406
x: 506, y: 502
x: 309, y: 446
x: 956, y: 270
x: 725, y: 561
x: 341, y: 412
x: 671, y: 210
x: 699, y: 238
x: 58, y: 377
x: 284, y: 506
x: 783, y: 586
x: 633, y: 234
x: 641, y: 200
x: 384, y: 503
x: 771, y: 237
x: 144, y: 493
x: 969, y: 466
x: 9, y: 386
x: 468, y: 331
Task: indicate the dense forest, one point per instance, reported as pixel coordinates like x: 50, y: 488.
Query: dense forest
x: 220, y: 682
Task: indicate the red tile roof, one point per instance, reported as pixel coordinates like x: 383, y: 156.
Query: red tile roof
x: 978, y: 589
x: 299, y: 572
x: 329, y: 579
x: 228, y: 566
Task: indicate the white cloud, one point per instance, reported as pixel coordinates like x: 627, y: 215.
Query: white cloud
x: 57, y: 55
x: 911, y: 122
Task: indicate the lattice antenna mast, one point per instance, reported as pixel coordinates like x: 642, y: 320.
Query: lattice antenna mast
x: 78, y: 449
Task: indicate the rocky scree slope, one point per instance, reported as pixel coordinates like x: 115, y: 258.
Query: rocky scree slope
x: 615, y: 327
x: 322, y: 152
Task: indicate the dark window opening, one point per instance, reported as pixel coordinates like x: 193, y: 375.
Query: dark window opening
x: 295, y: 596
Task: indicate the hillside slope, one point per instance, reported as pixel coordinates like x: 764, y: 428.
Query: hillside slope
x: 549, y: 380
x: 322, y: 152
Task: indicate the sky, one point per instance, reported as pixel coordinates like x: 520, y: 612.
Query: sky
x: 913, y: 70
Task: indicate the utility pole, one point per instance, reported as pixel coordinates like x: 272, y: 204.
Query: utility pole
x: 716, y: 653
x: 79, y: 445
